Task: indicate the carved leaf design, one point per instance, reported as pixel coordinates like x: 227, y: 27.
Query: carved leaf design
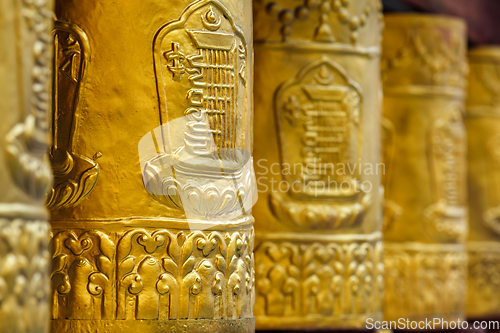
x: 59, y: 263
x: 105, y: 265
x: 126, y: 266
x: 71, y: 192
x: 170, y: 266
x: 188, y: 266
x: 75, y: 175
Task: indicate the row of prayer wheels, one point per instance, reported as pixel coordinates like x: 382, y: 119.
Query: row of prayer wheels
x: 311, y: 166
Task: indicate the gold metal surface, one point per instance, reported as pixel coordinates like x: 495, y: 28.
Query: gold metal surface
x: 25, y: 176
x: 424, y: 73
x: 151, y: 206
x: 317, y: 101
x: 483, y: 128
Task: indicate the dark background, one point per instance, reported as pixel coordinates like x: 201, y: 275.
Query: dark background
x: 482, y: 16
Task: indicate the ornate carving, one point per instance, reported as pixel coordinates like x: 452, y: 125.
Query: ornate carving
x: 224, y: 199
x: 483, y: 82
x: 483, y: 132
x: 24, y: 285
x: 160, y: 274
x: 333, y: 17
x: 447, y: 216
x: 75, y: 175
x: 423, y: 68
x: 25, y: 174
x: 491, y: 216
x: 320, y: 113
x: 205, y: 60
x: 484, y: 279
x: 318, y: 254
x: 432, y: 52
x: 326, y: 278
x: 26, y: 143
x: 318, y: 215
x: 424, y: 280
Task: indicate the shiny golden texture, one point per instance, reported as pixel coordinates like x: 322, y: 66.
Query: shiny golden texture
x: 152, y: 119
x: 425, y: 220
x: 317, y: 100
x: 25, y: 177
x: 483, y: 129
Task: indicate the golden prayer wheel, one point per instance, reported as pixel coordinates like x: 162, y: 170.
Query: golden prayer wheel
x: 483, y: 130
x: 25, y: 175
x: 317, y: 128
x: 424, y: 72
x: 151, y: 204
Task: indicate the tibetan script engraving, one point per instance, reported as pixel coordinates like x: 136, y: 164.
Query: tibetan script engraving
x: 319, y: 123
x: 447, y: 156
x: 201, y: 69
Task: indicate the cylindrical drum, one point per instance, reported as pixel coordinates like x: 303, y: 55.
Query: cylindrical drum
x: 153, y: 178
x: 425, y: 219
x: 483, y: 131
x: 25, y: 175
x: 318, y: 219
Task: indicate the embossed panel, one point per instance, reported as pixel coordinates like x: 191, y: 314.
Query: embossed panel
x: 151, y: 208
x: 338, y: 278
x: 160, y: 274
x: 423, y: 74
x: 202, y: 57
x: 319, y: 114
x: 25, y: 175
x: 483, y: 130
x: 318, y: 218
x: 425, y: 281
x: 446, y: 217
x: 75, y: 174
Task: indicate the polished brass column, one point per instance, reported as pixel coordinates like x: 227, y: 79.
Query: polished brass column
x: 317, y: 100
x: 25, y: 176
x: 424, y: 74
x: 152, y: 119
x: 483, y: 130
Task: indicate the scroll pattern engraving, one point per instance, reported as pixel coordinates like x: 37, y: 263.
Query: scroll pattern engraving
x: 75, y: 175
x: 484, y: 281
x: 24, y: 286
x: 423, y: 283
x: 440, y: 53
x: 491, y: 217
x: 318, y: 278
x: 326, y: 11
x: 27, y: 142
x: 484, y: 73
x: 322, y: 106
x: 153, y: 274
x: 447, y: 216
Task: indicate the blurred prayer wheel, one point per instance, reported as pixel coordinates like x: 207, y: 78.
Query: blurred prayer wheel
x: 483, y: 131
x: 317, y: 127
x: 25, y: 175
x: 151, y: 204
x: 425, y: 224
